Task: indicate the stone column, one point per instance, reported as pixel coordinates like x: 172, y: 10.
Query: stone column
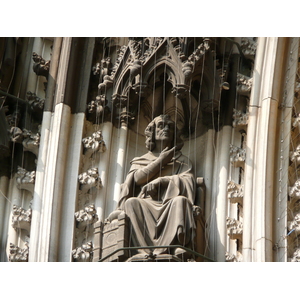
x: 54, y: 164
x: 43, y: 152
x: 264, y: 161
x: 251, y: 142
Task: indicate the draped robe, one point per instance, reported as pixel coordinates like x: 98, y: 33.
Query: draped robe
x: 167, y: 219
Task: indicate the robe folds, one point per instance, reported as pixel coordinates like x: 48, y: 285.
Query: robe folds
x: 167, y: 219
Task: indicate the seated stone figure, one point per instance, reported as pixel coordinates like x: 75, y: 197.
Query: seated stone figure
x: 159, y: 192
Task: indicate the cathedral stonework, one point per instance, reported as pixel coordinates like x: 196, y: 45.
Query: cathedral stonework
x: 149, y: 149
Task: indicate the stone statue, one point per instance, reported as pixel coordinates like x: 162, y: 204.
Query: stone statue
x: 159, y: 192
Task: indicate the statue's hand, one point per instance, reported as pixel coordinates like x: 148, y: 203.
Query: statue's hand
x: 166, y: 155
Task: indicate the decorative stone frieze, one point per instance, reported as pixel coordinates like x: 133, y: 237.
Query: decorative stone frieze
x: 21, y: 218
x: 240, y: 119
x: 16, y: 254
x: 86, y: 216
x: 237, y: 156
x: 234, y: 228
x: 89, y: 179
x: 93, y: 143
x: 248, y: 47
x: 25, y: 179
x: 235, y: 192
x: 41, y: 66
x: 244, y: 84
x: 83, y: 253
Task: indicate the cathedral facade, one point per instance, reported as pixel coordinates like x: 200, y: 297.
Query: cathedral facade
x: 76, y: 176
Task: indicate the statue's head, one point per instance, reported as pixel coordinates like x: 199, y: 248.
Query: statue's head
x: 162, y: 128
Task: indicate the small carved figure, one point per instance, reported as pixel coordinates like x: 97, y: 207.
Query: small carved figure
x: 40, y: 66
x: 25, y: 179
x: 83, y: 253
x: 88, y: 215
x: 94, y: 143
x: 16, y: 254
x: 158, y: 192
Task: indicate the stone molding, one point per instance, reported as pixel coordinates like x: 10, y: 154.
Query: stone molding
x: 21, y: 218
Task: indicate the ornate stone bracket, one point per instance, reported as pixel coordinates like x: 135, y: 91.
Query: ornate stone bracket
x: 25, y: 179
x: 21, y: 218
x: 248, y: 47
x: 86, y: 216
x: 36, y: 103
x: 240, y: 119
x: 237, y: 156
x: 295, y: 224
x: 296, y: 256
x: 89, y: 179
x: 41, y: 66
x: 93, y: 144
x: 16, y: 254
x: 29, y: 140
x: 235, y: 192
x: 244, y: 84
x: 234, y: 228
x: 83, y: 253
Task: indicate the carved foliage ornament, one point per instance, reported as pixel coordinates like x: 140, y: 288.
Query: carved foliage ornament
x: 41, y: 66
x: 240, y: 118
x: 21, y: 218
x: 234, y: 227
x: 90, y: 179
x: 94, y: 143
x: 86, y: 216
x: 235, y: 192
x: 83, y: 253
x: 25, y: 179
x: 16, y: 254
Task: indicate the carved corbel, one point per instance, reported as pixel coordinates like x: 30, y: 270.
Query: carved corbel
x: 106, y: 84
x: 248, y: 47
x: 295, y: 155
x: 21, y: 218
x: 31, y: 141
x: 294, y: 226
x: 180, y: 91
x: 235, y: 192
x: 41, y: 66
x: 86, y: 216
x: 25, y: 179
x: 83, y: 253
x: 244, y: 84
x: 89, y: 179
x: 142, y: 89
x: 237, y: 156
x: 234, y: 228
x: 296, y: 256
x: 240, y: 119
x: 16, y: 254
x: 36, y: 103
x: 93, y: 144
